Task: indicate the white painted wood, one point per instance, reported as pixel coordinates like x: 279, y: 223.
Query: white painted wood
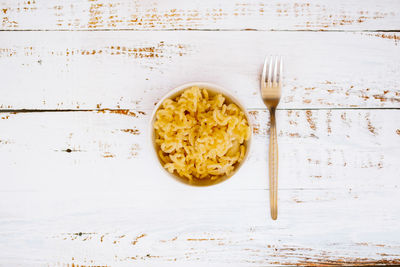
x: 79, y: 188
x: 197, y: 228
x: 107, y: 203
x: 206, y: 14
x: 122, y: 69
x: 318, y: 149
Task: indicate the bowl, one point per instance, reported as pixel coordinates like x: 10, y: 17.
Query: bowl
x: 212, y: 89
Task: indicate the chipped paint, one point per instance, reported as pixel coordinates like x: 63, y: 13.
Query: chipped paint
x: 247, y: 15
x: 157, y: 50
x: 390, y: 36
x: 329, y: 121
x: 95, y: 15
x: 253, y: 114
x: 69, y: 150
x: 288, y: 254
x: 295, y: 135
x: 75, y: 236
x: 310, y: 120
x: 316, y: 162
x: 326, y: 261
x: 141, y: 52
x: 134, y: 151
x: 7, y: 52
x: 108, y: 155
x: 259, y: 128
x: 343, y: 116
x: 127, y: 112
x: 370, y: 127
x: 9, y: 24
x: 134, y: 242
x: 203, y: 239
x: 173, y: 239
x: 384, y: 98
x: 131, y: 131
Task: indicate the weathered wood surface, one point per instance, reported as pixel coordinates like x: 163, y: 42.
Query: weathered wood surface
x: 199, y: 227
x: 206, y: 14
x: 98, y: 199
x: 318, y: 148
x: 114, y: 69
x: 78, y: 80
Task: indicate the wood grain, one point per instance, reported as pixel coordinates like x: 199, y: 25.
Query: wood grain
x: 78, y: 80
x: 75, y: 193
x: 121, y: 70
x: 208, y: 14
x: 97, y: 151
x: 117, y: 229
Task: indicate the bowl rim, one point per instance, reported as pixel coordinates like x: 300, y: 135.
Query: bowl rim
x: 216, y: 89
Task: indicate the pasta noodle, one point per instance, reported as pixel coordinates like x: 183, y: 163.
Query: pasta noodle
x: 199, y: 135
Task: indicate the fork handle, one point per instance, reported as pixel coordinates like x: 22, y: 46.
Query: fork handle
x: 273, y: 166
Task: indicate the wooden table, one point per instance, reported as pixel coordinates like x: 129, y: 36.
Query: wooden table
x: 79, y: 80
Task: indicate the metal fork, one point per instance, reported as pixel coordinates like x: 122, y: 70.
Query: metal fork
x: 271, y: 84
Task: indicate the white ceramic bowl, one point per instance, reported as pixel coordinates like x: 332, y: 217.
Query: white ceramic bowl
x: 213, y: 89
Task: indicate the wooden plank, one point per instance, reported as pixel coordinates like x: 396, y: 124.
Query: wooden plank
x: 206, y: 14
x: 89, y: 70
x: 156, y: 227
x: 80, y: 188
x: 107, y: 150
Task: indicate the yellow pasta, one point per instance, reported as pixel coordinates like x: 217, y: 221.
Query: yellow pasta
x: 199, y: 135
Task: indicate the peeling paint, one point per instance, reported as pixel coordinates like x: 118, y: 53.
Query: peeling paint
x: 150, y: 51
x: 390, y: 36
x: 346, y: 262
x: 7, y: 52
x: 384, y: 98
x: 9, y: 24
x: 69, y: 150
x: 78, y: 235
x: 108, y: 155
x: 131, y: 131
x: 329, y: 121
x: 370, y: 127
x: 134, y: 242
x: 94, y: 14
x: 134, y: 151
x: 310, y: 120
x: 127, y: 112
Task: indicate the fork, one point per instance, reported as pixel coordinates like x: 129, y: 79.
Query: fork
x: 271, y: 84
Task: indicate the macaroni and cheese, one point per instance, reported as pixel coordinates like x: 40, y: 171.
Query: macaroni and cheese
x: 200, y: 135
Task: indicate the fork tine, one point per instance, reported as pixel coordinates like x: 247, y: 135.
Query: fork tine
x: 275, y: 77
x: 272, y: 71
x: 264, y: 73
x: 270, y: 66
